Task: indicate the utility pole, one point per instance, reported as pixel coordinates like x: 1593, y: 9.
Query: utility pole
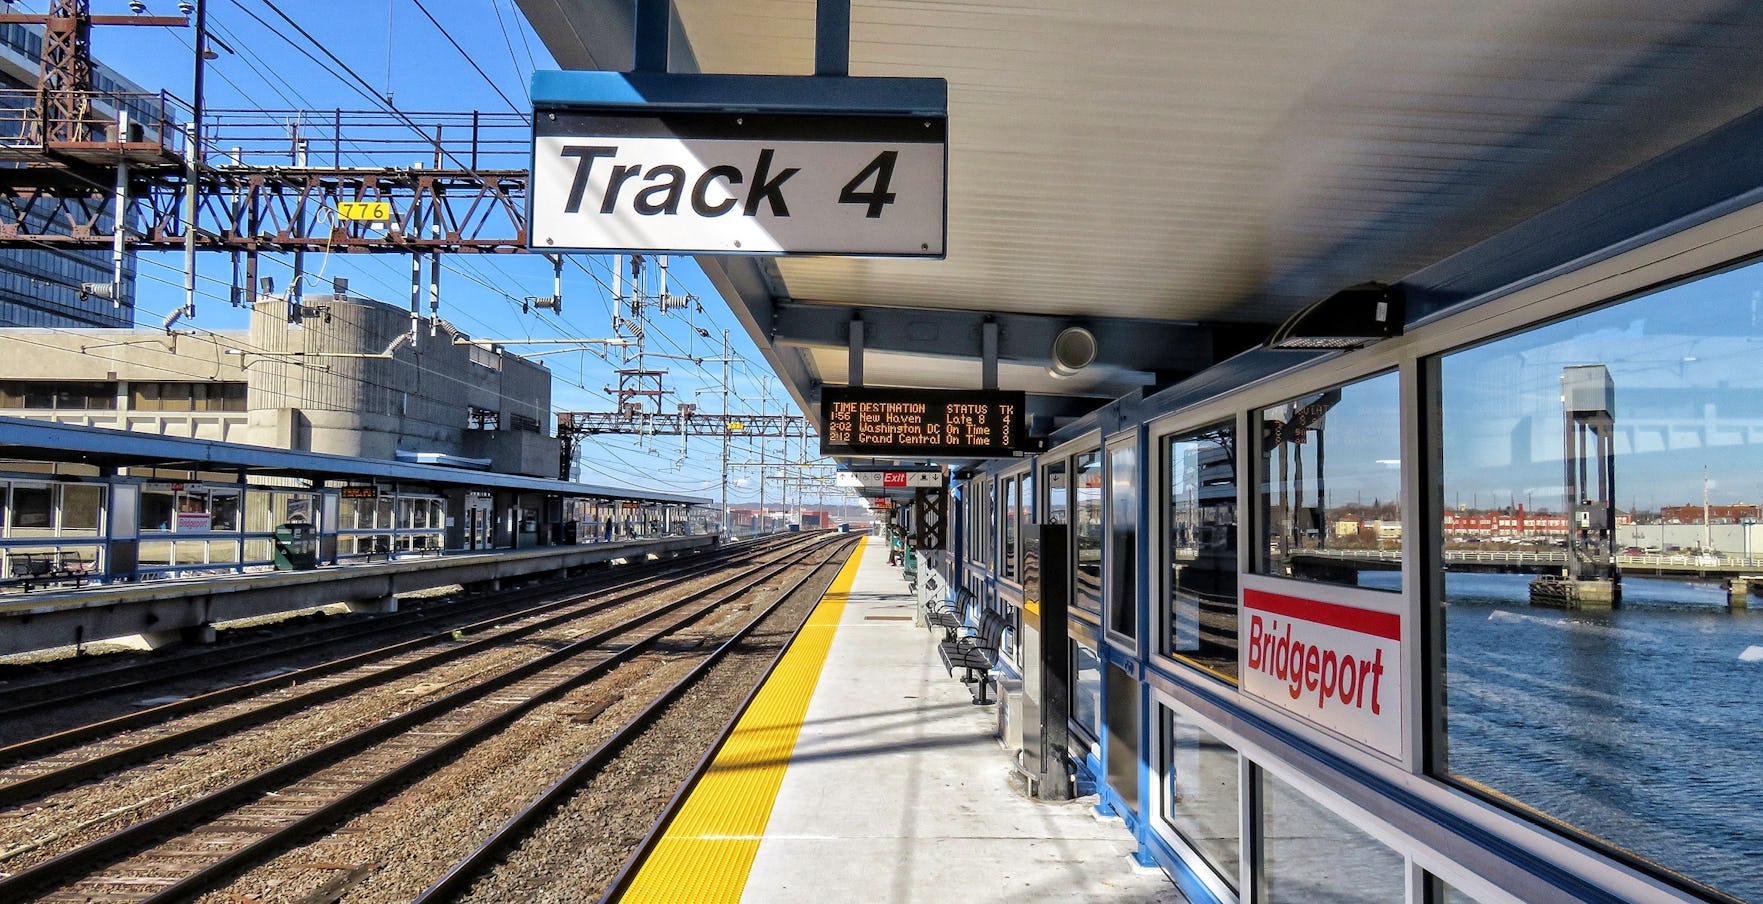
x: 764, y: 405
x: 725, y: 432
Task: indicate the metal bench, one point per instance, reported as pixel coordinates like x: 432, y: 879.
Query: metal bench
x: 977, y: 653
x: 939, y: 613
x: 30, y: 569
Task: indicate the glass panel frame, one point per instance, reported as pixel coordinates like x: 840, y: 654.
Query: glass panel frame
x: 1611, y: 441
x: 1199, y: 547
x: 1198, y: 798
x: 1121, y: 549
x: 1329, y: 504
x: 1312, y: 855
x: 1086, y: 534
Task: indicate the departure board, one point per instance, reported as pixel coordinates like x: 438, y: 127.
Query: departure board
x: 920, y: 423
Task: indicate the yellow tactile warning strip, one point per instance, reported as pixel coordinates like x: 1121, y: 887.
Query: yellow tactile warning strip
x: 705, y: 854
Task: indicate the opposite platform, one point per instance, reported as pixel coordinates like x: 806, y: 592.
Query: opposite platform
x: 864, y: 773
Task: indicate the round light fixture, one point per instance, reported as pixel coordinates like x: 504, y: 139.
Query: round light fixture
x: 1073, y: 350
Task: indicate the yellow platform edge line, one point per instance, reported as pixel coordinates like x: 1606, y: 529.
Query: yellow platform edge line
x: 707, y: 851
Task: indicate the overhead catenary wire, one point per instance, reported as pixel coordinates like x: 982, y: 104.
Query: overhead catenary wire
x: 472, y: 270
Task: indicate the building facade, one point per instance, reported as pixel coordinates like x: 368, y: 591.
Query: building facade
x: 42, y: 286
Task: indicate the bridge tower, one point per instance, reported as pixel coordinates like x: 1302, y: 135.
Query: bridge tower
x: 1590, y: 579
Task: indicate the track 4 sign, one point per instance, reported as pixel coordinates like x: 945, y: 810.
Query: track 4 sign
x: 746, y: 184
x: 738, y: 165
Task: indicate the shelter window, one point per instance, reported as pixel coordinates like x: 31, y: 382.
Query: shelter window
x: 158, y: 508
x: 1007, y: 555
x: 1199, y: 800
x: 1123, y: 539
x: 1616, y: 454
x: 1331, y: 503
x: 1200, y: 547
x: 1086, y: 534
x: 82, y: 509
x: 1086, y: 691
x: 1058, y: 501
x: 986, y: 522
x: 1311, y: 854
x: 32, y: 511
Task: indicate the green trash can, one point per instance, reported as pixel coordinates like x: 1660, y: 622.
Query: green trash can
x: 296, y: 547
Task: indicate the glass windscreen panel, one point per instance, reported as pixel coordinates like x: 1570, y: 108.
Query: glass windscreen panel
x: 1199, y: 793
x: 1086, y: 691
x: 1601, y: 482
x: 1200, y: 547
x: 1312, y: 855
x: 1331, y: 493
x: 1123, y: 540
x: 1086, y: 534
x: 1058, y: 501
x: 1008, y: 518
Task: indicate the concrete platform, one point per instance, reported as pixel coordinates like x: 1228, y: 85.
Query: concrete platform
x: 896, y: 789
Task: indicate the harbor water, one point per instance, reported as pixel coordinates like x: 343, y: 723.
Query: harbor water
x: 1641, y: 726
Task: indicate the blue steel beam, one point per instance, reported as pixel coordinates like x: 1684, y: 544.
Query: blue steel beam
x: 1165, y: 349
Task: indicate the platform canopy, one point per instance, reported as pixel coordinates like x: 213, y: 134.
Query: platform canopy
x: 1178, y: 178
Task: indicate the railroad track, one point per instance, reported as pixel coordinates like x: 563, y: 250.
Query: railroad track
x: 227, y: 829
x: 27, y: 697
x: 89, y: 751
x: 500, y: 847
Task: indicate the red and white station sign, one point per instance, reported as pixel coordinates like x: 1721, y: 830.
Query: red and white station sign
x: 1330, y: 663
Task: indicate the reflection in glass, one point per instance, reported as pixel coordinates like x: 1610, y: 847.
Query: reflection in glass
x: 1201, y: 547
x: 1086, y: 690
x: 1449, y: 894
x: 1086, y: 534
x: 1058, y: 494
x: 1007, y: 558
x: 32, y: 513
x: 1123, y: 540
x: 1619, y: 718
x: 1313, y: 856
x: 225, y: 511
x: 156, y: 509
x: 1200, y: 793
x: 1330, y: 498
x: 82, y: 507
x: 1124, y: 696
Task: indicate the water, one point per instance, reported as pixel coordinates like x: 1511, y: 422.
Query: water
x: 1642, y: 726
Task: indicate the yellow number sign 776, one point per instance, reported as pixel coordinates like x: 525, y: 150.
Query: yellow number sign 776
x: 364, y: 210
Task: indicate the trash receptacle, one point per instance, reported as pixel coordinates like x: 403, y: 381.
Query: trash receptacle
x: 296, y: 547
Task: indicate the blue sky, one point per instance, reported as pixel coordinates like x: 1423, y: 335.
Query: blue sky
x: 1686, y: 363
x: 404, y: 57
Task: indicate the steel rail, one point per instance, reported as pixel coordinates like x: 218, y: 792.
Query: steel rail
x: 457, y: 879
x: 30, y: 788
x: 197, y: 662
x: 140, y: 836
